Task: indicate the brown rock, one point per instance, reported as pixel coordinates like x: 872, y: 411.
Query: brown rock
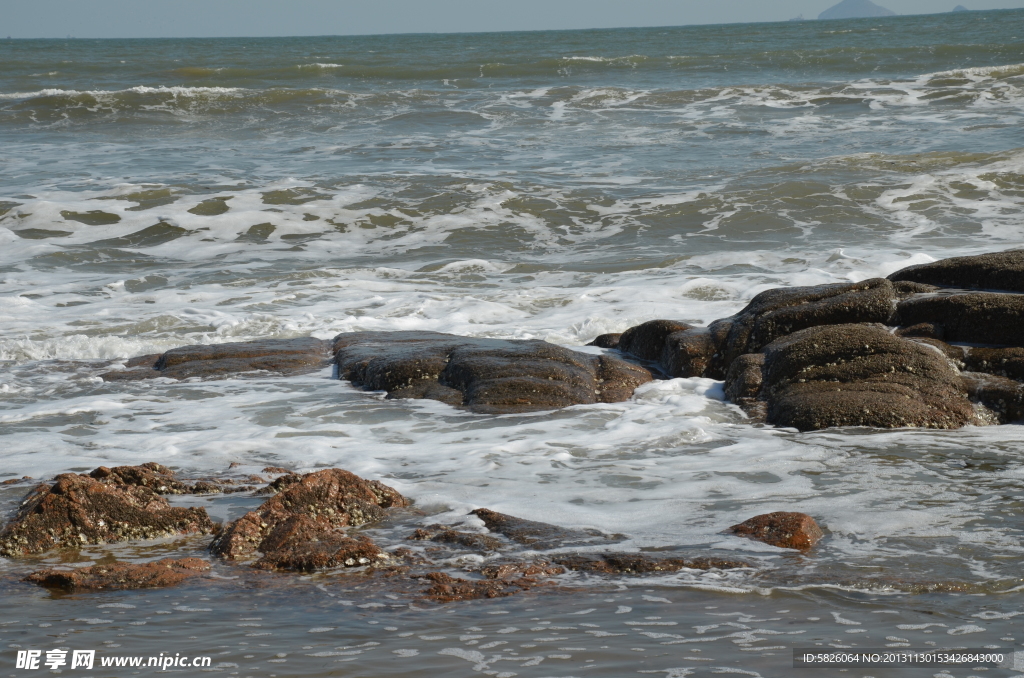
x: 305, y: 545
x: 282, y: 356
x: 647, y: 341
x: 1003, y: 362
x: 860, y: 375
x: 275, y: 469
x: 445, y: 535
x: 155, y: 476
x: 995, y: 271
x: 745, y: 377
x: 975, y: 317
x: 483, y: 375
x: 448, y: 589
x: 77, y: 510
x: 516, y: 570
x: 1003, y: 397
x: 121, y: 576
x: 783, y: 529
x: 538, y: 535
x: 639, y: 563
x: 606, y: 341
x: 332, y: 498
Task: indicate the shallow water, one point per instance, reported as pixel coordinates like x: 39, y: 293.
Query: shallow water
x: 554, y: 185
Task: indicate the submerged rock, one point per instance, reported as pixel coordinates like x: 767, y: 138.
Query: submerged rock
x: 121, y: 576
x: 784, y: 529
x: 77, y: 510
x: 641, y: 563
x: 445, y: 535
x: 484, y: 375
x: 446, y: 588
x: 307, y: 509
x: 540, y: 536
x: 282, y: 356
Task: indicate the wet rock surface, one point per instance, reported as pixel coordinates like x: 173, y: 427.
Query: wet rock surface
x: 539, y: 535
x: 885, y: 352
x: 121, y: 576
x: 784, y: 529
x: 307, y: 510
x: 77, y: 509
x: 641, y: 563
x: 484, y: 375
x: 280, y: 356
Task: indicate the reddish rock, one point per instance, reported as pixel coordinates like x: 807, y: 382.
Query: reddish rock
x: 516, y: 570
x: 275, y: 469
x: 447, y: 589
x: 77, y: 510
x: 333, y: 498
x: 155, y: 476
x: 121, y: 576
x: 302, y: 544
x: 445, y: 535
x: 783, y: 529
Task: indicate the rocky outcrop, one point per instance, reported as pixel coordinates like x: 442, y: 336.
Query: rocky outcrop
x: 881, y: 352
x: 121, y: 576
x: 640, y: 563
x: 301, y: 526
x: 77, y: 510
x: 784, y: 529
x: 279, y: 356
x: 484, y: 375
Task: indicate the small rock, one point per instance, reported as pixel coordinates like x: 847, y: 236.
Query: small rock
x: 447, y: 589
x: 304, y: 545
x: 538, y: 535
x: 606, y: 341
x: 783, y: 529
x: 639, y: 563
x: 445, y: 535
x: 121, y: 576
x: 275, y: 469
x: 77, y: 510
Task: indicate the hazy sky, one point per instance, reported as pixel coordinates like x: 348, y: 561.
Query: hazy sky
x: 203, y: 18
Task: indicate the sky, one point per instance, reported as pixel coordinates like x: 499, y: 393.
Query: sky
x: 223, y: 18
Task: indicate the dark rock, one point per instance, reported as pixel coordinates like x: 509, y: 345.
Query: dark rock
x: 995, y: 271
x: 332, y: 498
x: 448, y: 589
x: 783, y: 529
x: 860, y: 375
x: 538, y: 535
x: 282, y: 356
x: 647, y: 341
x: 745, y: 377
x: 927, y: 330
x: 606, y: 341
x: 975, y: 317
x: 1003, y: 362
x: 77, y: 510
x: 484, y: 375
x: 640, y: 563
x: 275, y: 469
x: 121, y: 576
x: 514, y: 570
x: 1003, y: 397
x: 445, y: 535
x: 302, y: 544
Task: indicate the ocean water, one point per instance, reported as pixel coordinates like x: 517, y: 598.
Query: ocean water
x: 550, y: 185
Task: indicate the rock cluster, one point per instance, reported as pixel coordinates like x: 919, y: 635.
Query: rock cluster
x: 937, y: 345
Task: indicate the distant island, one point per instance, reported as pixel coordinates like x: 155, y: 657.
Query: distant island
x: 960, y: 8
x: 855, y: 9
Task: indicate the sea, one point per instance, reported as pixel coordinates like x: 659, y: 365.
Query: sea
x: 533, y: 185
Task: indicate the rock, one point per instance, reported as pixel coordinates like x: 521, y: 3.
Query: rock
x: 606, y: 341
x: 121, y: 576
x: 15, y: 481
x: 540, y: 536
x: 445, y: 535
x: 282, y: 356
x: 333, y: 498
x: 77, y: 510
x: 976, y: 317
x: 647, y: 341
x: 1003, y: 397
x: 995, y: 271
x: 514, y: 570
x: 302, y: 544
x: 1003, y: 362
x: 155, y: 476
x: 639, y: 563
x: 745, y: 377
x: 860, y: 375
x: 484, y: 375
x: 784, y: 529
x: 710, y: 351
x: 448, y: 589
x: 275, y: 469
